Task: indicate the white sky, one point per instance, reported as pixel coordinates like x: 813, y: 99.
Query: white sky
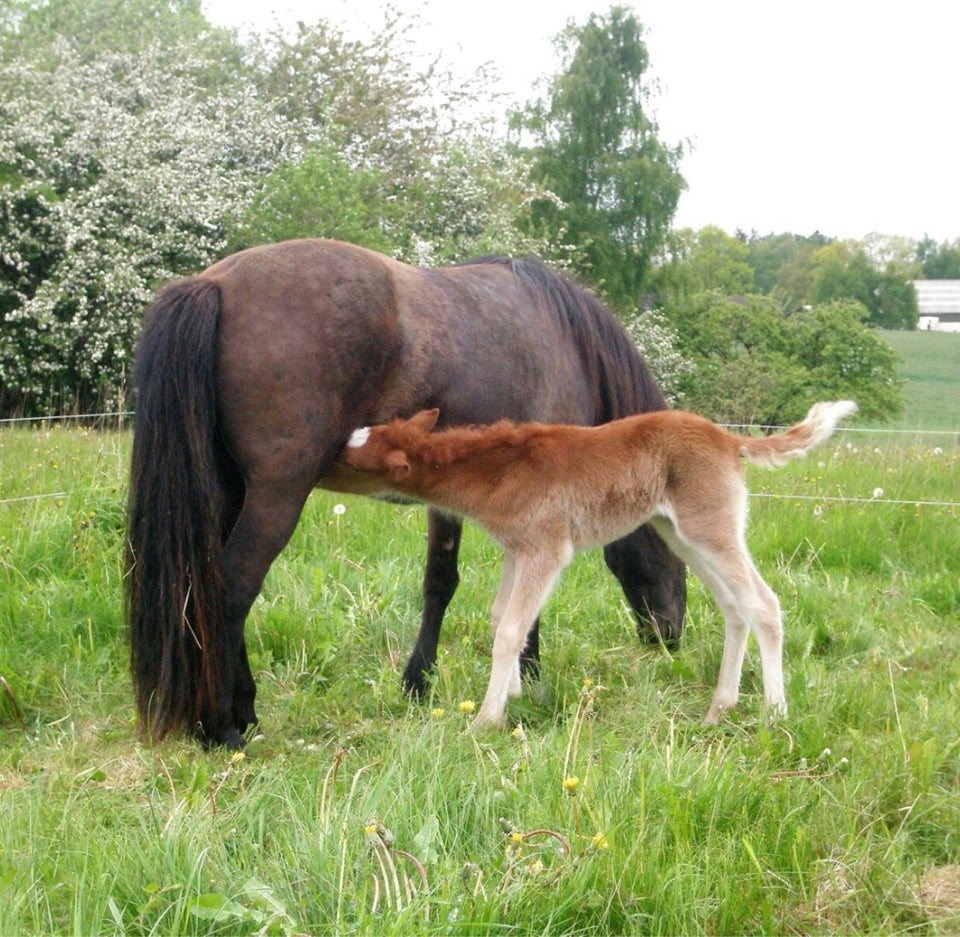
x: 841, y: 116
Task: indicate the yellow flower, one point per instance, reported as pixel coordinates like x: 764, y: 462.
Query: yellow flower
x: 600, y: 841
x: 237, y: 757
x: 437, y: 713
x: 467, y: 706
x: 570, y: 784
x: 516, y: 837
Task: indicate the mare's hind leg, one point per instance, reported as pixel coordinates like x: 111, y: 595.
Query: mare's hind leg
x: 654, y: 582
x: 268, y: 518
x: 440, y: 581
x: 245, y: 689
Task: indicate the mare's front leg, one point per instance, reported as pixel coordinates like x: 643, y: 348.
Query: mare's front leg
x: 533, y: 577
x: 440, y: 580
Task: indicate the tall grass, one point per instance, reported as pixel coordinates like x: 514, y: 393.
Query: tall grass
x: 607, y: 809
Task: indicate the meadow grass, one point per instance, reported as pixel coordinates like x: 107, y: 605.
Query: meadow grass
x: 930, y: 366
x: 607, y: 809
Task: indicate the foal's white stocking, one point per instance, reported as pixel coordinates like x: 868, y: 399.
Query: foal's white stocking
x: 533, y: 578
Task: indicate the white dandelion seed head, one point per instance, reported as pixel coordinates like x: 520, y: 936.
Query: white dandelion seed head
x: 339, y: 509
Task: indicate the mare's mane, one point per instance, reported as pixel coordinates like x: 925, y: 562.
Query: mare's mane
x: 620, y: 377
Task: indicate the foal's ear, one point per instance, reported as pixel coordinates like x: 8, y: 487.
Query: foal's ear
x: 397, y: 462
x: 425, y: 420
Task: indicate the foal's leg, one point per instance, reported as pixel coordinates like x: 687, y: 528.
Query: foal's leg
x: 500, y: 605
x: 440, y: 581
x: 720, y: 559
x: 533, y: 578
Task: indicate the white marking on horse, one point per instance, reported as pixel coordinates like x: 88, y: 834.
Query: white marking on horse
x: 359, y: 437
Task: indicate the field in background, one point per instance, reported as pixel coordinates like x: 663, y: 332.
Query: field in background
x: 931, y: 366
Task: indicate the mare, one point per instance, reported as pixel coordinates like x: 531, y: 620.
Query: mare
x: 547, y: 492
x: 252, y: 375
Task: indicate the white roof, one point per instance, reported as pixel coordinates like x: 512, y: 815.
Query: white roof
x: 937, y: 297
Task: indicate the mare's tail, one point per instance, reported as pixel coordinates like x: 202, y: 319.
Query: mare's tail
x: 174, y: 585
x: 819, y: 424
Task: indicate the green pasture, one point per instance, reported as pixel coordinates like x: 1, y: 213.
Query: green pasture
x: 930, y: 364
x: 607, y: 809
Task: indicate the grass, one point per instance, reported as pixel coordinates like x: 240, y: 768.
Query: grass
x: 608, y: 810
x: 930, y: 363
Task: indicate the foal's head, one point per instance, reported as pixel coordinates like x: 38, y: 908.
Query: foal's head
x: 379, y: 449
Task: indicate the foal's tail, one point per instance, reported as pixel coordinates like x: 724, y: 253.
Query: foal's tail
x: 820, y: 422
x: 174, y: 601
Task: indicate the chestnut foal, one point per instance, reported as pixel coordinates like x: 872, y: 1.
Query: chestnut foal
x: 545, y: 492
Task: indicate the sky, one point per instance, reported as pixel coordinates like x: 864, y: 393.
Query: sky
x: 837, y: 116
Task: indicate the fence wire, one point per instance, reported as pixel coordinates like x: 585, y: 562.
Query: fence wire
x: 107, y: 418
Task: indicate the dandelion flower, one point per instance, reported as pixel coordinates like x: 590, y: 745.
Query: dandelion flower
x: 467, y: 706
x: 570, y: 784
x: 518, y: 733
x: 237, y: 757
x: 437, y: 712
x: 516, y: 837
x: 599, y: 840
x: 339, y: 509
x: 878, y: 492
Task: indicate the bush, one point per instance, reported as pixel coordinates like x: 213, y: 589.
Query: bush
x: 115, y: 175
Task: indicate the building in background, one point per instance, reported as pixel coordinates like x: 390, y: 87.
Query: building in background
x: 938, y: 302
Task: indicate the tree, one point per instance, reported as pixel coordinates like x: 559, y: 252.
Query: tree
x: 700, y: 261
x: 845, y: 360
x: 596, y: 147
x: 318, y: 194
x: 844, y: 271
x: 115, y: 174
x: 752, y: 364
x: 939, y: 261
x: 401, y: 159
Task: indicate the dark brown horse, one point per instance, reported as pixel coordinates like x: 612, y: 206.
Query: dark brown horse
x: 251, y: 376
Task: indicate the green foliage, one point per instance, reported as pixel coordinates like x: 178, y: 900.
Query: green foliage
x: 120, y: 173
x: 752, y: 364
x: 796, y: 272
x: 845, y: 360
x: 609, y: 810
x: 317, y: 195
x: 596, y: 147
x: 699, y: 261
x: 887, y: 295
x: 939, y: 261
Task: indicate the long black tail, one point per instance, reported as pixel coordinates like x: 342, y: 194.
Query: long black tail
x: 174, y: 587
